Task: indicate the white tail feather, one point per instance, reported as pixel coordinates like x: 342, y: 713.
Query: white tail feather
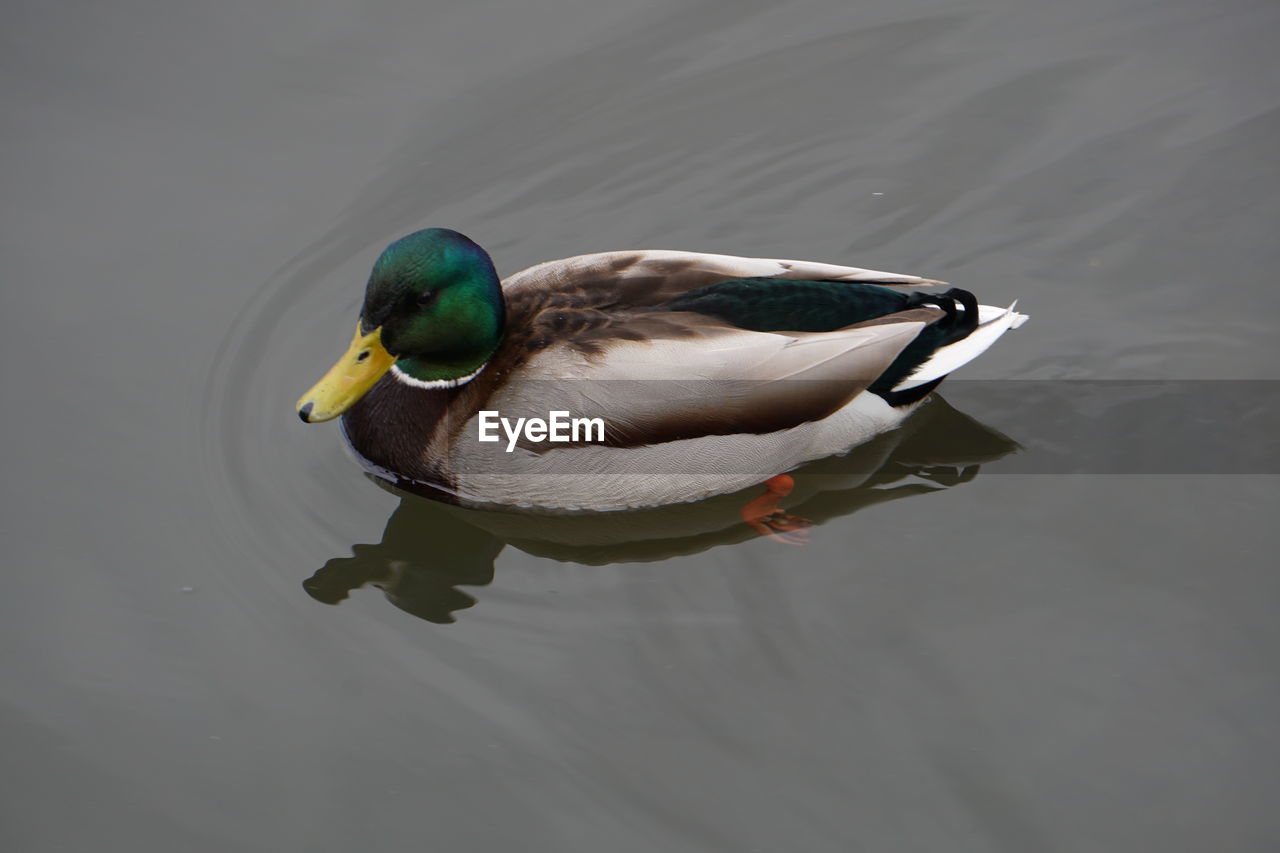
x: 992, y: 323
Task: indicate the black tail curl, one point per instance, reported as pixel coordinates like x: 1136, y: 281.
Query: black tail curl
x: 951, y: 301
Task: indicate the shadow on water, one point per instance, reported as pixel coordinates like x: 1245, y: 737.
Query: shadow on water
x: 429, y: 549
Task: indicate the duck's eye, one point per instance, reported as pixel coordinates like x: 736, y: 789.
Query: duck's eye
x: 426, y: 298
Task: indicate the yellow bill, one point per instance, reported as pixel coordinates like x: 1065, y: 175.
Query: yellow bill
x: 359, y: 369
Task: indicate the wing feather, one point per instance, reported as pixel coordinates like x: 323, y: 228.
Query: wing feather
x: 705, y: 377
x: 649, y: 277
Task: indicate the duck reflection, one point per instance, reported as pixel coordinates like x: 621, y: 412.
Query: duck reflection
x: 429, y: 548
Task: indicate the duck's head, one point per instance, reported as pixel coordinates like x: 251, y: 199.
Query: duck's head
x: 432, y: 314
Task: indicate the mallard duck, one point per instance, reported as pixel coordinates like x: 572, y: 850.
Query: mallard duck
x: 704, y: 373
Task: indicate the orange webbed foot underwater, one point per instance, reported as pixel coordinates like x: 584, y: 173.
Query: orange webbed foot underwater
x: 762, y: 513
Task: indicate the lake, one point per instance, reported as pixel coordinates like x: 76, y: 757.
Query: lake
x: 1040, y: 617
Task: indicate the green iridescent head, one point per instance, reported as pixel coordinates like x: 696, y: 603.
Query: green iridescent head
x: 433, y: 312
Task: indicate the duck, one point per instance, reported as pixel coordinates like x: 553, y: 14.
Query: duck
x: 690, y: 374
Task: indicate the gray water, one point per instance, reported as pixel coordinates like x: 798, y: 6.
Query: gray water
x: 968, y: 656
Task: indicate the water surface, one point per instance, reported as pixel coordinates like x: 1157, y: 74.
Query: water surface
x: 974, y: 653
